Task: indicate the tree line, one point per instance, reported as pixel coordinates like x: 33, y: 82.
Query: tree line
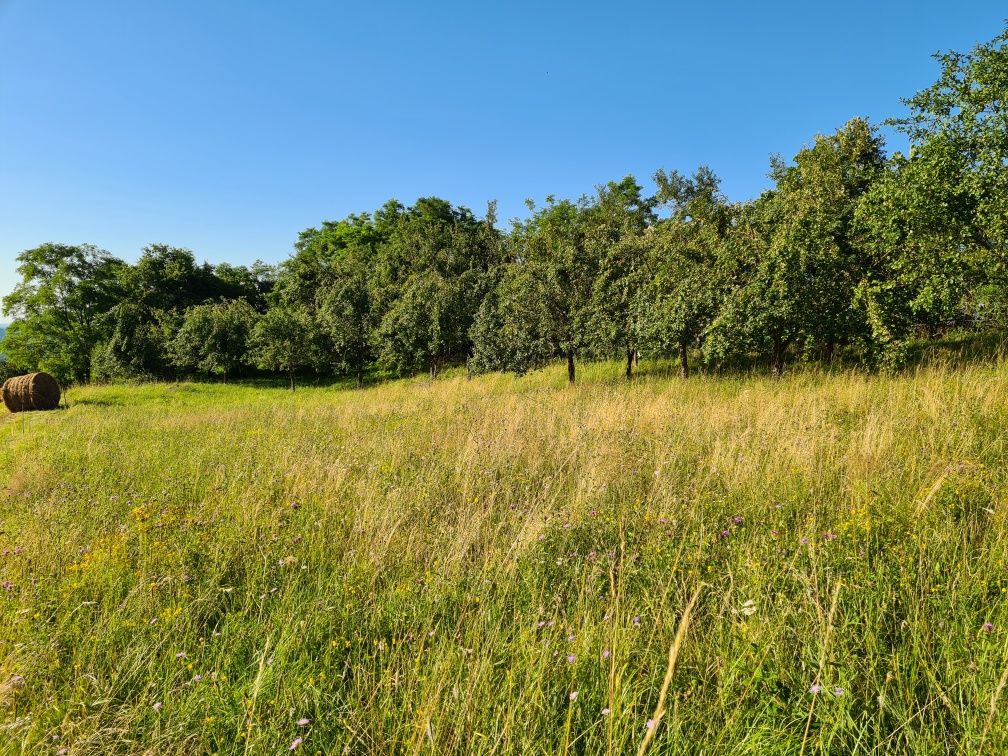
x: 852, y: 252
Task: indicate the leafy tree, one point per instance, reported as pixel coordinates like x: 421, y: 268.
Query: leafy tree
x: 346, y: 316
x: 804, y: 261
x: 58, y: 306
x: 285, y: 339
x: 684, y: 290
x: 213, y: 337
x: 614, y: 224
x: 552, y: 245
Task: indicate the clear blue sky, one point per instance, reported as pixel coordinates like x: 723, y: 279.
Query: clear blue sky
x: 228, y: 127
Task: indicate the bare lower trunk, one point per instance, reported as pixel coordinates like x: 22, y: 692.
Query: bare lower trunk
x: 629, y: 363
x: 291, y: 375
x: 777, y: 360
x: 683, y: 361
x: 570, y: 367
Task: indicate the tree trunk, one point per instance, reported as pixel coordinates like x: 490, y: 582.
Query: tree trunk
x: 636, y: 357
x: 360, y: 376
x: 777, y: 359
x: 629, y: 363
x: 570, y: 367
x: 290, y: 373
x: 683, y: 361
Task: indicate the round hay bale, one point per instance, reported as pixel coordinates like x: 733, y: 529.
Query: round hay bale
x: 35, y: 391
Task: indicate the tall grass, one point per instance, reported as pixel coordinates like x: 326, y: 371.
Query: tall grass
x: 501, y: 566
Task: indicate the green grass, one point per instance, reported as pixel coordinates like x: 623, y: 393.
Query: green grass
x: 194, y: 568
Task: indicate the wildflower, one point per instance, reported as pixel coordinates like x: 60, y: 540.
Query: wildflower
x: 296, y: 744
x: 7, y: 585
x: 636, y: 621
x: 303, y: 722
x: 541, y: 623
x: 157, y: 706
x: 650, y: 724
x: 295, y: 506
x: 988, y: 627
x: 737, y: 520
x: 829, y: 536
x: 605, y: 653
x: 815, y: 689
x: 297, y: 540
x: 180, y: 655
x: 725, y: 533
x: 838, y: 691
x: 197, y: 678
x: 803, y: 541
x: 571, y: 658
x: 606, y: 617
x: 570, y: 638
x: 775, y: 533
x: 573, y: 695
x: 605, y: 712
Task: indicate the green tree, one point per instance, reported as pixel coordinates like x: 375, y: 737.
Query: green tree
x: 551, y: 244
x: 58, y: 306
x: 213, y: 337
x: 346, y: 316
x: 685, y: 286
x: 614, y: 224
x: 285, y: 339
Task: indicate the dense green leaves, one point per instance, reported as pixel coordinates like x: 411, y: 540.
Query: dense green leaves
x: 850, y: 254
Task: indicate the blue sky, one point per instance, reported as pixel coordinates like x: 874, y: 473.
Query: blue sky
x: 229, y: 127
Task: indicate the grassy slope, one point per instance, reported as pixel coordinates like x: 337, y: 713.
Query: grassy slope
x: 437, y: 568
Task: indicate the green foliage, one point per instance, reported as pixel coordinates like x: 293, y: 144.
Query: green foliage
x: 57, y: 307
x: 213, y: 337
x: 851, y: 255
x: 285, y: 339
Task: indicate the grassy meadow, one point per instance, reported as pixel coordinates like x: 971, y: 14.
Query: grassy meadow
x: 502, y: 565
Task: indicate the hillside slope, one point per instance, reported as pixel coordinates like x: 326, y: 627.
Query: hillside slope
x: 501, y: 565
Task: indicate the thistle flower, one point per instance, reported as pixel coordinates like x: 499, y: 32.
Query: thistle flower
x: 605, y: 653
x: 571, y: 658
x: 988, y: 627
x: 815, y: 689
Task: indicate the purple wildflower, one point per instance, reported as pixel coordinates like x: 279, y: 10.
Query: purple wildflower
x: 7, y: 585
x: 838, y: 691
x: 636, y: 620
x: 815, y: 689
x: 605, y: 653
x: 571, y: 658
x: 650, y: 724
x: 725, y: 533
x: 303, y: 722
x: 988, y: 627
x: 296, y: 744
x: 157, y: 706
x: 737, y: 520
